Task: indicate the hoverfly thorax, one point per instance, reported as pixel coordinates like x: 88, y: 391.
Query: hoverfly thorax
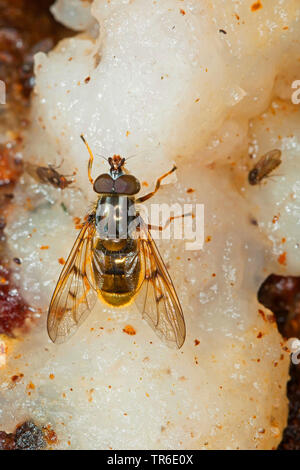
x: 115, y: 216
x: 115, y: 211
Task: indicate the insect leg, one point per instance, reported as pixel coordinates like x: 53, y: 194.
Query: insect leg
x: 56, y: 167
x: 157, y: 186
x: 161, y: 228
x: 91, y: 159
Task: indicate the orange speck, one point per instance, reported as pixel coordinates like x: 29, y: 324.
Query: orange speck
x: 283, y: 240
x: 61, y: 261
x: 44, y: 247
x: 197, y: 100
x: 127, y: 133
x: 208, y: 239
x: 87, y: 79
x: 90, y: 395
x: 197, y: 342
x: 77, y: 223
x: 285, y: 28
x: 256, y: 6
x: 50, y: 435
x: 282, y: 258
x: 147, y: 394
x: 31, y: 386
x: 51, y: 376
x: 190, y: 190
x: 129, y: 330
x: 17, y: 378
x: 275, y: 218
x: 144, y: 183
x: 182, y: 11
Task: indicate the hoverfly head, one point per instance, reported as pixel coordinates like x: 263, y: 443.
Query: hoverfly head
x: 116, y: 166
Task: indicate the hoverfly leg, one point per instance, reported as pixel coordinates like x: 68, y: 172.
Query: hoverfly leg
x: 161, y: 228
x: 91, y: 159
x: 157, y: 186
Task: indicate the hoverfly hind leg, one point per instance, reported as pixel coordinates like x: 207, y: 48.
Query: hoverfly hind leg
x: 161, y: 228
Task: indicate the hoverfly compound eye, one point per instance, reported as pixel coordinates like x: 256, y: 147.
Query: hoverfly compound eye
x: 104, y: 184
x: 127, y: 184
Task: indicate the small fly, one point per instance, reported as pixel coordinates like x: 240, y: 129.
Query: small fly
x: 266, y: 164
x: 48, y: 175
x: 114, y: 265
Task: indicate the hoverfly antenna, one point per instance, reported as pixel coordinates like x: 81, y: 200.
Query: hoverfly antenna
x: 131, y: 156
x: 104, y: 158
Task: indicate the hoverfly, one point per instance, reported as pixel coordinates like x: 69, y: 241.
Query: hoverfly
x: 118, y: 268
x: 47, y: 175
x: 266, y: 164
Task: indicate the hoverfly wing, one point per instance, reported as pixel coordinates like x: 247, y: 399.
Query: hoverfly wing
x: 75, y: 294
x: 157, y: 299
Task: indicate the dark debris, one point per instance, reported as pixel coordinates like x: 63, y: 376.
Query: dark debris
x: 28, y: 436
x: 13, y: 309
x: 26, y: 27
x: 281, y: 294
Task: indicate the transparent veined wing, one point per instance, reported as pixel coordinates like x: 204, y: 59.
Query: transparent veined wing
x: 75, y: 293
x: 157, y: 299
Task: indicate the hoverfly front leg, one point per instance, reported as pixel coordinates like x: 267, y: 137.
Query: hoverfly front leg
x: 91, y: 159
x: 157, y: 186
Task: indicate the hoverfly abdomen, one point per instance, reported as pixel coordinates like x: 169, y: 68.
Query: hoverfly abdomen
x: 119, y: 263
